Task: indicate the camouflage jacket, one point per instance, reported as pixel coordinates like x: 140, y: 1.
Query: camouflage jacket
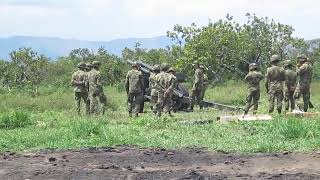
x: 205, y: 80
x: 253, y: 79
x: 134, y: 82
x: 304, y: 73
x: 153, y: 85
x: 165, y: 81
x: 198, y: 79
x: 80, y: 81
x: 290, y: 80
x: 274, y: 78
x: 94, y: 81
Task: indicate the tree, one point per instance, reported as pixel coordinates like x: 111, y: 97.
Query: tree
x: 29, y: 67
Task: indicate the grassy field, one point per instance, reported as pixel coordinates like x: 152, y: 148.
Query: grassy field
x: 49, y: 121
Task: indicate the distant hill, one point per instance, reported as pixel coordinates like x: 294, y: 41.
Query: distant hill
x: 56, y: 47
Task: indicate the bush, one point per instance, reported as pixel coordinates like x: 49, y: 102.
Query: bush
x: 17, y: 119
x: 85, y: 128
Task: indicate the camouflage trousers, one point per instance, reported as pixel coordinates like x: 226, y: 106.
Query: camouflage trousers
x: 252, y: 99
x: 134, y: 102
x: 289, y: 100
x: 163, y: 104
x: 275, y: 95
x: 196, y: 97
x: 79, y: 96
x: 305, y: 93
x: 203, y: 92
x: 154, y: 100
x: 97, y: 99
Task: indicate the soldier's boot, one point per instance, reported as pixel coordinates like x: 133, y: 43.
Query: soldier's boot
x: 279, y: 110
x: 130, y: 114
x: 254, y: 112
x: 136, y: 115
x: 245, y: 112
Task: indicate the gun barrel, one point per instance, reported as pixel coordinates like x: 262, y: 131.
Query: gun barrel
x: 147, y: 66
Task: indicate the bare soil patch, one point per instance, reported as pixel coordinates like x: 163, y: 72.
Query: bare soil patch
x: 134, y: 163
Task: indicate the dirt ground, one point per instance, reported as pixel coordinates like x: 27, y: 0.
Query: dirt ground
x: 134, y: 163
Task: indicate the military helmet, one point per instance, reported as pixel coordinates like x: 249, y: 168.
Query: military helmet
x: 81, y: 65
x: 253, y: 66
x: 172, y: 70
x: 135, y: 64
x: 302, y: 57
x: 96, y: 63
x: 195, y: 63
x: 88, y: 65
x: 201, y: 66
x: 274, y: 58
x: 156, y: 68
x: 164, y: 67
x: 287, y: 63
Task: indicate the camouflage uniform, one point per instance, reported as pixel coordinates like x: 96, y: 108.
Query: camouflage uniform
x: 197, y: 88
x: 274, y: 84
x: 290, y: 85
x: 79, y: 80
x: 205, y: 83
x: 96, y: 89
x: 253, y: 79
x: 134, y: 87
x: 165, y: 83
x: 152, y: 84
x: 304, y: 72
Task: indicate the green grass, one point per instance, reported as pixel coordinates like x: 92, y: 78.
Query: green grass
x: 49, y: 121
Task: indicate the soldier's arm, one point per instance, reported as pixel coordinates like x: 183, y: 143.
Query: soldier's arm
x: 197, y: 77
x: 141, y: 81
x: 301, y: 69
x: 126, y: 84
x: 267, y: 81
x: 99, y: 80
x: 74, y: 80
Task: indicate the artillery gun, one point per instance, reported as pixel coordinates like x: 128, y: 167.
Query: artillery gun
x: 181, y: 99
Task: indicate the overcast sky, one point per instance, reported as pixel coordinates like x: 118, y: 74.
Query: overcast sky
x: 112, y: 19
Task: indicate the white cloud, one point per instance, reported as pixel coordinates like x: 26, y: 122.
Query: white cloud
x: 108, y: 19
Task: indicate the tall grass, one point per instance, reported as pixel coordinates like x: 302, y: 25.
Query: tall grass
x: 49, y: 121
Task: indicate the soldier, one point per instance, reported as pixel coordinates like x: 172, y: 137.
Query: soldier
x: 197, y: 88
x: 80, y: 81
x: 205, y: 82
x: 96, y: 89
x: 153, y: 87
x: 274, y: 83
x: 134, y: 88
x: 253, y: 79
x: 165, y: 83
x: 304, y: 72
x: 290, y: 85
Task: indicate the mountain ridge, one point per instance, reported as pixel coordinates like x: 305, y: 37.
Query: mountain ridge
x: 55, y: 47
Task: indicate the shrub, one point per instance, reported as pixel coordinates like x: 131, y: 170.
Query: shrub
x: 16, y: 119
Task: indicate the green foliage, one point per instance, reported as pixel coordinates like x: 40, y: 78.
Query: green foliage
x: 15, y: 119
x: 226, y: 47
x: 57, y: 125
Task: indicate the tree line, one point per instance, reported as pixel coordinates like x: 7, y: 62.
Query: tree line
x: 225, y: 47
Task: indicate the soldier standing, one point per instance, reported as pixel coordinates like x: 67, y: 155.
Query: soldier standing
x: 96, y: 89
x: 253, y: 79
x: 197, y: 88
x: 79, y: 80
x: 290, y: 85
x: 304, y: 72
x: 205, y: 82
x: 153, y: 86
x: 165, y: 83
x: 274, y: 83
x: 134, y: 88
